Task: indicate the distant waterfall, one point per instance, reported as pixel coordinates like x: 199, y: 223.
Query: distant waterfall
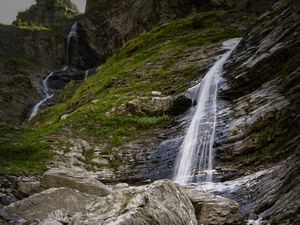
x: 194, y: 162
x: 70, y: 41
x: 47, y: 96
x: 45, y: 88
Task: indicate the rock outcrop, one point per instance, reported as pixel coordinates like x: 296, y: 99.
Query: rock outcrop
x: 259, y: 128
x: 41, y: 206
x: 48, y: 13
x: 56, y: 178
x: 213, y: 210
x: 159, y: 203
x: 25, y: 55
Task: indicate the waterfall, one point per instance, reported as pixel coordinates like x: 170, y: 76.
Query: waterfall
x: 254, y: 222
x: 70, y: 38
x: 45, y: 89
x: 47, y: 96
x: 194, y: 162
x: 86, y: 74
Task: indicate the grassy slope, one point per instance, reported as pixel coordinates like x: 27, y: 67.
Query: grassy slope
x: 123, y: 77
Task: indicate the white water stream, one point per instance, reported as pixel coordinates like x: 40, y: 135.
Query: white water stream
x: 71, y: 36
x: 45, y: 88
x: 194, y: 163
x: 47, y: 96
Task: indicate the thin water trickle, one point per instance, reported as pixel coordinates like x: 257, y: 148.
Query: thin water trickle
x: 194, y: 163
x: 47, y: 96
x: 86, y: 74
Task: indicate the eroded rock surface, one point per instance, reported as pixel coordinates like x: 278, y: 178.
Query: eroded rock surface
x: 159, y: 203
x: 40, y: 206
x: 211, y: 209
x: 259, y: 123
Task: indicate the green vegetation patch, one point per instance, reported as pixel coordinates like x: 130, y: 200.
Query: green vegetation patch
x: 23, y: 151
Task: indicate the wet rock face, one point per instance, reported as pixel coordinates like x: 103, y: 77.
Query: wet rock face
x: 259, y: 122
x: 273, y: 195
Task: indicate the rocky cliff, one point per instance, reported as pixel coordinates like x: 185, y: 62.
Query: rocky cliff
x: 30, y: 48
x: 262, y: 118
x: 48, y: 13
x: 26, y: 55
x: 126, y: 122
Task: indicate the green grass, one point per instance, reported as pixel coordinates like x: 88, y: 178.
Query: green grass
x: 33, y: 27
x: 23, y: 151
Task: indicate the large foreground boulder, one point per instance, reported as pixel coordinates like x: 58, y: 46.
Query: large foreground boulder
x: 41, y: 206
x: 212, y: 209
x: 160, y: 203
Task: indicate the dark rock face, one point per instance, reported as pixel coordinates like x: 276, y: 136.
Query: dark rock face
x: 25, y: 56
x: 253, y: 6
x: 109, y: 24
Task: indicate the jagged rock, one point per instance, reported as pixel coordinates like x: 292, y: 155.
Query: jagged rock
x: 48, y: 13
x: 25, y: 56
x: 109, y: 25
x: 60, y: 177
x: 159, y: 203
x: 39, y: 206
x: 213, y: 210
x: 151, y: 106
x: 259, y: 126
x: 180, y: 105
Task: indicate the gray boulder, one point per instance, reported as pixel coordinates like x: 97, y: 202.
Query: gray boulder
x: 39, y: 206
x: 59, y: 177
x: 159, y: 203
x: 212, y: 209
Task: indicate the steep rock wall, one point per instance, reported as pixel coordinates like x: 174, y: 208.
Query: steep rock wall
x: 260, y: 127
x: 26, y: 55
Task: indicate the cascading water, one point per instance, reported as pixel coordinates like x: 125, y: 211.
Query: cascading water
x: 86, y: 74
x: 47, y: 96
x: 70, y: 39
x: 45, y: 88
x: 194, y: 162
